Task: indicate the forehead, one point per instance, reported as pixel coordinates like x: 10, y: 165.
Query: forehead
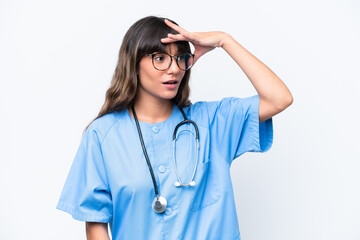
x: 172, y: 49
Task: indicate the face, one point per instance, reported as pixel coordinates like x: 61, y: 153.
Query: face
x: 159, y: 85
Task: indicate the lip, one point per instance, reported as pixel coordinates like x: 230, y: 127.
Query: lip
x: 172, y: 80
x: 171, y: 86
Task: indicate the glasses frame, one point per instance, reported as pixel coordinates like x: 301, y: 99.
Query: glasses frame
x: 171, y: 59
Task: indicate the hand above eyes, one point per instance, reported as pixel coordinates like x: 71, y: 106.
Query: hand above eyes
x: 202, y: 41
x: 273, y: 93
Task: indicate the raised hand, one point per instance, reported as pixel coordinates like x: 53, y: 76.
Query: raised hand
x: 273, y: 93
x: 202, y: 41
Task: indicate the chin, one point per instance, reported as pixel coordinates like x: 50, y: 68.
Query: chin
x: 169, y: 96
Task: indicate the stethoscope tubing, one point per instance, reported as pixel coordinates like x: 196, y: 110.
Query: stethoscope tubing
x: 191, y: 182
x: 184, y: 122
x: 144, y: 150
x: 159, y: 202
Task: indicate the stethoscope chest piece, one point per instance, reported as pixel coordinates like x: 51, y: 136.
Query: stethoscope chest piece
x: 159, y: 204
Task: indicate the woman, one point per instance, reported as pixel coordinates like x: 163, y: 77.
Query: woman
x: 148, y: 178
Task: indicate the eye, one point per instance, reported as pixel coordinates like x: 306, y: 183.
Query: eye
x: 184, y: 57
x: 185, y: 61
x: 159, y: 57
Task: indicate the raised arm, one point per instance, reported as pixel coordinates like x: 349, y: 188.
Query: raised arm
x: 273, y: 93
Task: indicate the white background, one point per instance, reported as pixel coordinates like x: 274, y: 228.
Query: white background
x: 56, y: 62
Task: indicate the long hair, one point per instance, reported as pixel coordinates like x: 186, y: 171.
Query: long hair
x: 143, y: 37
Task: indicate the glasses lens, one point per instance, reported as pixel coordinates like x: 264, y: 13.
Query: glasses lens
x: 161, y: 61
x: 185, y: 61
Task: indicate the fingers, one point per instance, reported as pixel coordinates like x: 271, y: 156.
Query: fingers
x: 173, y: 38
x: 176, y: 27
x: 182, y: 36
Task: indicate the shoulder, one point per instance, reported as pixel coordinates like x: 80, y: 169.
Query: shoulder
x: 227, y: 101
x: 209, y: 109
x: 103, y: 125
x: 231, y: 102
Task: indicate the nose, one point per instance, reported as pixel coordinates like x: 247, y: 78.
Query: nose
x: 174, y: 68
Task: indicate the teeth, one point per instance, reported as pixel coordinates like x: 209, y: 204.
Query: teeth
x: 172, y: 82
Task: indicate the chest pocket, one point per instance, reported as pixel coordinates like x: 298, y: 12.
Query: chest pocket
x: 207, y: 191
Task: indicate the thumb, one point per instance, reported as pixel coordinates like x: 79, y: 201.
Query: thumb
x: 200, y: 50
x: 197, y: 54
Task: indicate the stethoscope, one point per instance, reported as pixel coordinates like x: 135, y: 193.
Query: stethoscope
x: 159, y: 203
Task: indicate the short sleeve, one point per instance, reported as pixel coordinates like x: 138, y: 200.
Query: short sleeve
x: 235, y: 129
x: 86, y: 195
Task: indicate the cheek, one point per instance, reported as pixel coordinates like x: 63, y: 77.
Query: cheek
x: 148, y: 78
x: 182, y: 76
x: 146, y: 72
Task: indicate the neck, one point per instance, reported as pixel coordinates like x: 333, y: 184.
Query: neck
x: 152, y: 111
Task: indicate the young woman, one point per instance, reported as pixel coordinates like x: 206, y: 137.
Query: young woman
x: 149, y: 177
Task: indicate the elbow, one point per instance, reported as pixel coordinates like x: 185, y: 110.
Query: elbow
x: 286, y: 101
x: 289, y: 100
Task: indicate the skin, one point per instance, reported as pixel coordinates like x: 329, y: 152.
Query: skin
x: 96, y: 231
x: 273, y: 93
x: 153, y: 100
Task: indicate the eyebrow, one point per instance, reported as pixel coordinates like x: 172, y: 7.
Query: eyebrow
x: 176, y: 54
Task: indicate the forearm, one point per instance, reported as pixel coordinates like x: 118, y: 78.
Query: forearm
x: 274, y: 95
x: 268, y: 86
x: 97, y: 231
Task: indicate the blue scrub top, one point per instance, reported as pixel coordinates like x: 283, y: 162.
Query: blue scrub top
x: 110, y: 182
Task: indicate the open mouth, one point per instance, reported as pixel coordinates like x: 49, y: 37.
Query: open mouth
x: 171, y: 82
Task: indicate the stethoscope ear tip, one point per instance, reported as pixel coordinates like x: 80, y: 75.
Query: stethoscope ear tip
x: 178, y: 184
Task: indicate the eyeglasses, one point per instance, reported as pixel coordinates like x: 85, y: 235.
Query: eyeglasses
x: 162, y: 61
